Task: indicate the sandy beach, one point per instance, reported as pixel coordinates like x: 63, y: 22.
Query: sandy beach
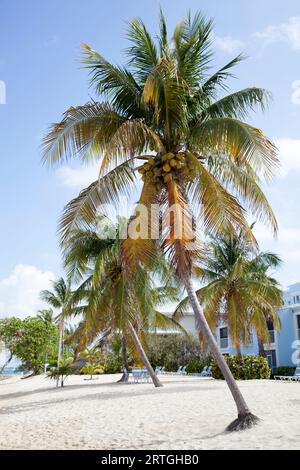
x: 187, y: 413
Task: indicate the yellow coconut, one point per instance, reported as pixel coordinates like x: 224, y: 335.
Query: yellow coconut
x: 173, y: 162
x: 170, y: 156
x: 167, y: 178
x: 167, y: 168
x: 151, y: 161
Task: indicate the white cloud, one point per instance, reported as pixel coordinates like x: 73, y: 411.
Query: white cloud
x: 77, y: 178
x: 289, y: 154
x: 286, y: 246
x: 20, y: 291
x: 288, y: 32
x: 228, y: 44
x: 296, y: 92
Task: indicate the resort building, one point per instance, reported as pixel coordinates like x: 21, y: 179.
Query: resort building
x: 284, y: 346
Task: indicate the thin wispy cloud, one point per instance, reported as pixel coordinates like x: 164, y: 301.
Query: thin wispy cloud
x: 296, y: 92
x: 228, y: 44
x: 288, y: 32
x: 289, y: 152
x: 77, y: 178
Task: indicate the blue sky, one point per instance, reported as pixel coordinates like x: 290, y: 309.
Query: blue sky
x: 39, y: 64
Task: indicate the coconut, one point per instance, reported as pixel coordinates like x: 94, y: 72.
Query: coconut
x: 173, y: 162
x: 167, y: 168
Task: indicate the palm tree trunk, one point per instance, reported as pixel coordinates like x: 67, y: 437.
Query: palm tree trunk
x: 125, y: 375
x: 245, y: 418
x: 261, y: 348
x: 60, y: 345
x: 144, y: 357
x: 239, y: 351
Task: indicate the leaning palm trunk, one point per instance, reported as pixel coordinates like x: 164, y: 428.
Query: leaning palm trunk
x: 125, y: 375
x: 60, y: 346
x: 245, y: 418
x: 261, y: 347
x: 144, y: 357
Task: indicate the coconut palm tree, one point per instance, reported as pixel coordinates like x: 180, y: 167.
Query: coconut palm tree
x: 46, y: 314
x: 260, y: 266
x: 200, y: 157
x: 59, y: 299
x: 238, y: 289
x: 109, y: 300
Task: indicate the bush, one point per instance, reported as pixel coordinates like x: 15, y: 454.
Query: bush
x: 172, y: 351
x: 246, y: 368
x: 286, y: 371
x: 113, y: 364
x: 194, y: 366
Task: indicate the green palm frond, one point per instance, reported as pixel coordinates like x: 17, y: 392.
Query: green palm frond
x: 245, y: 143
x: 218, y: 80
x: 84, y: 132
x: 239, y: 104
x: 82, y: 211
x: 116, y: 83
x: 241, y: 180
x: 142, y: 53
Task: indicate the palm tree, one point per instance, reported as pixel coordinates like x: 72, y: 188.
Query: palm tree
x: 109, y: 300
x: 46, y: 314
x: 199, y: 156
x: 238, y: 289
x: 260, y: 266
x: 59, y: 299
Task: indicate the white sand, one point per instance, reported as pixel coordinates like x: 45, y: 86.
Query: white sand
x: 187, y: 413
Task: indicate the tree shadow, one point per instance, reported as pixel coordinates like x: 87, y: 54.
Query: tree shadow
x: 87, y: 385
x: 19, y: 408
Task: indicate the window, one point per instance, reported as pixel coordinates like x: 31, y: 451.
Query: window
x: 224, y: 338
x: 298, y: 324
x: 271, y: 331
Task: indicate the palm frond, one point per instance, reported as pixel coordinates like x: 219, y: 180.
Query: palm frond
x: 84, y: 132
x: 246, y: 144
x: 82, y: 211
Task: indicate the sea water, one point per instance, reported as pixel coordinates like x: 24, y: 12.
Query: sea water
x: 11, y: 371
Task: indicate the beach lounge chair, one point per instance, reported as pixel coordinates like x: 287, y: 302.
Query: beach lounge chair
x: 179, y: 371
x: 291, y: 378
x: 158, y: 370
x: 145, y: 375
x: 140, y: 375
x: 137, y: 375
x: 204, y: 370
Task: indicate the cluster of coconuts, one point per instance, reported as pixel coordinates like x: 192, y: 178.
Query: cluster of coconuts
x: 168, y: 167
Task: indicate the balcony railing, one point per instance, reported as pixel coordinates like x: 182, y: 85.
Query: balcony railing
x: 224, y: 343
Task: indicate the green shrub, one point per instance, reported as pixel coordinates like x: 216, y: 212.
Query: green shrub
x: 246, y: 368
x: 113, y: 364
x: 172, y: 351
x: 286, y: 371
x: 194, y: 366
